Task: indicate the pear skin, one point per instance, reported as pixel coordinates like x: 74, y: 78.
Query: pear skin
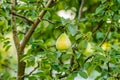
x: 63, y: 42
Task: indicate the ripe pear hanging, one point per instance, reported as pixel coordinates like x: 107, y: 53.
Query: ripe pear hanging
x: 63, y: 42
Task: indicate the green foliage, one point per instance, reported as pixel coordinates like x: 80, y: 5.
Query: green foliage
x: 66, y: 64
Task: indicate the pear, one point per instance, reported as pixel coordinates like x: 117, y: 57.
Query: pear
x: 63, y: 42
x: 88, y: 50
x: 106, y: 46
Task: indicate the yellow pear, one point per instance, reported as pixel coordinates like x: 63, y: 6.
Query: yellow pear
x: 106, y: 46
x: 63, y: 42
x: 88, y: 50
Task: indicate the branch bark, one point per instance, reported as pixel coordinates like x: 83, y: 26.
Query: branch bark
x: 23, y: 17
x: 81, y: 9
x: 36, y: 22
x: 48, y: 21
x: 21, y: 64
x: 21, y: 68
x: 20, y: 47
x: 97, y: 28
x: 13, y: 21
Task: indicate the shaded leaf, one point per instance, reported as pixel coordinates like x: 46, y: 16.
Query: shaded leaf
x: 83, y: 74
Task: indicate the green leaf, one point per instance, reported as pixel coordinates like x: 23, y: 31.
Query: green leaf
x: 99, y: 57
x: 118, y: 1
x: 90, y: 69
x: 111, y: 78
x: 46, y: 23
x: 24, y: 1
x: 102, y: 1
x: 78, y: 36
x: 66, y: 57
x: 116, y: 35
x: 25, y: 57
x: 32, y: 78
x: 12, y: 78
x: 82, y: 45
x: 86, y: 65
x: 98, y: 68
x: 77, y: 55
x: 65, y: 21
x: 83, y: 74
x: 116, y: 17
x: 104, y: 72
x: 55, y: 67
x: 2, y: 23
x: 115, y: 46
x: 71, y: 76
x: 72, y: 29
x: 32, y: 1
x: 99, y: 49
x: 82, y: 26
x: 22, y: 7
x: 99, y: 35
x: 7, y: 47
x: 6, y: 43
x: 6, y: 75
x: 100, y: 9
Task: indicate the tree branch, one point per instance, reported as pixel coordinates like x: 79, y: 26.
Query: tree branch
x: 106, y: 35
x: 21, y: 16
x: 15, y: 37
x: 13, y: 21
x: 21, y: 65
x: 99, y: 25
x: 49, y: 21
x: 81, y: 9
x: 36, y: 22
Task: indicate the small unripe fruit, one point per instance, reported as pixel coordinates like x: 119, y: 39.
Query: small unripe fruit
x: 63, y: 42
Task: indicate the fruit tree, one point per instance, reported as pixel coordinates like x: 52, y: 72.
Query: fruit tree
x: 60, y: 39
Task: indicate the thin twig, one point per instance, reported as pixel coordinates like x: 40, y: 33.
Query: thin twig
x: 21, y: 16
x: 99, y: 25
x: 48, y: 21
x: 106, y: 35
x: 81, y: 9
x: 32, y: 70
